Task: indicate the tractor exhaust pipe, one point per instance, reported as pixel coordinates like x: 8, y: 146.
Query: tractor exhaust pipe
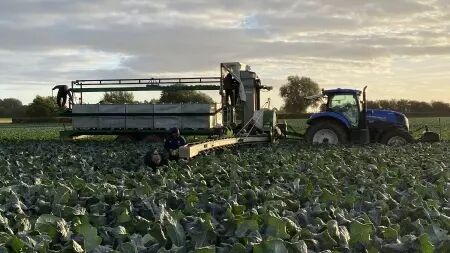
x: 364, y: 110
x: 364, y: 136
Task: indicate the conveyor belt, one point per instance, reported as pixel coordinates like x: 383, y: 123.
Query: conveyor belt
x: 192, y: 150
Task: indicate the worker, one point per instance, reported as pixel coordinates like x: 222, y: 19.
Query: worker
x: 173, y: 143
x: 155, y: 159
x: 229, y: 85
x: 63, y: 93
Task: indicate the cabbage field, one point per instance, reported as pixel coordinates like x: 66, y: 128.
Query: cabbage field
x: 97, y: 196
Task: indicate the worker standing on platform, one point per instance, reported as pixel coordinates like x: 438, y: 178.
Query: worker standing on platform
x: 173, y: 143
x: 229, y: 85
x: 63, y: 93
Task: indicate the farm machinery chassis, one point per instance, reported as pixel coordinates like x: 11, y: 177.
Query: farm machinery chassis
x: 344, y: 117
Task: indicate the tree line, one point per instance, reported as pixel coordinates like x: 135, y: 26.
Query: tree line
x: 295, y: 91
x: 410, y: 106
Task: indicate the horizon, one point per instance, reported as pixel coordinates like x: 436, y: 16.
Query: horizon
x: 400, y: 49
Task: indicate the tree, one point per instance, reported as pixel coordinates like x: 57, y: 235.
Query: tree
x: 42, y: 107
x: 152, y: 101
x: 185, y: 96
x: 295, y: 91
x: 439, y: 106
x: 11, y: 107
x: 118, y: 97
x: 410, y: 106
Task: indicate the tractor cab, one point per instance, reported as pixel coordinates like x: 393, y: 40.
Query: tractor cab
x: 347, y: 103
x: 342, y: 118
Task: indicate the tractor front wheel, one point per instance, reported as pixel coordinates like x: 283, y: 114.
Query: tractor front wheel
x: 326, y: 132
x: 396, y: 137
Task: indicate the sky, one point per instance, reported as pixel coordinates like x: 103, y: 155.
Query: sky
x: 399, y: 48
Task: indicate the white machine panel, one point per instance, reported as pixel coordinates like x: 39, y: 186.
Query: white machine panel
x: 145, y: 122
x: 88, y: 122
x: 198, y: 108
x: 167, y: 108
x: 167, y: 122
x: 107, y: 108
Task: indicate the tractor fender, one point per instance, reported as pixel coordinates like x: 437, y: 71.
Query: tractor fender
x: 329, y: 116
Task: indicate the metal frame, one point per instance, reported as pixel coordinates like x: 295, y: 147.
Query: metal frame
x: 145, y: 84
x: 193, y: 150
x: 153, y: 84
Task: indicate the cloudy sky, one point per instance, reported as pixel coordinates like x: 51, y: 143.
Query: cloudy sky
x: 399, y: 48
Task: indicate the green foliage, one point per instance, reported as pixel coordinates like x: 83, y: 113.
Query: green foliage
x: 89, y: 233
x: 295, y: 91
x: 98, y: 197
x: 42, y: 107
x: 185, y: 96
x: 118, y: 97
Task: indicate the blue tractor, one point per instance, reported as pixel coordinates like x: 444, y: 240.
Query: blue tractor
x: 344, y: 118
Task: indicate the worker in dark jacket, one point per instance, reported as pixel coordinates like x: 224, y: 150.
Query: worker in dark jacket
x: 63, y: 93
x: 173, y: 143
x: 229, y: 85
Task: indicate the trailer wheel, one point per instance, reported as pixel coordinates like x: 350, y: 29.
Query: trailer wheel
x: 326, y: 132
x: 396, y: 137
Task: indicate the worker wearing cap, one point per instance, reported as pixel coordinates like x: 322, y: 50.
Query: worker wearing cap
x: 155, y: 159
x: 63, y: 93
x: 173, y: 143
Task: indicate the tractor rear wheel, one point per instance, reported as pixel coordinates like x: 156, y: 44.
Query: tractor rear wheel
x: 396, y: 137
x: 326, y: 132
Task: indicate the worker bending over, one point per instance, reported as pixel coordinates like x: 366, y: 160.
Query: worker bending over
x: 173, y: 143
x: 155, y: 159
x: 63, y: 93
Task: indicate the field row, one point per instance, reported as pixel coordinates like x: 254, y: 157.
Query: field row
x: 286, y: 198
x: 51, y: 131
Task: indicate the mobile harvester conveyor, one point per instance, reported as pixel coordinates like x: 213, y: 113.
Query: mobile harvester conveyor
x: 344, y: 117
x: 139, y: 121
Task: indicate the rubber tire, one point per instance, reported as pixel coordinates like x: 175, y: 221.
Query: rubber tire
x: 337, y: 128
x: 396, y: 132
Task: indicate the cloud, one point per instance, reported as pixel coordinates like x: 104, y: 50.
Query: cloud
x: 347, y: 41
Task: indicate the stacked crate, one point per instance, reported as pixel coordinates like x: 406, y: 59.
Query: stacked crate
x: 165, y: 116
x: 139, y: 122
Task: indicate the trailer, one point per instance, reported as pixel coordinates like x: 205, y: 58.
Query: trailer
x: 137, y: 121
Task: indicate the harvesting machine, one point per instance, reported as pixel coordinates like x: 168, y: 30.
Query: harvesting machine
x: 344, y: 117
x: 138, y: 121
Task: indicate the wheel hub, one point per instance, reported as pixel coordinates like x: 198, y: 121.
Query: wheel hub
x: 397, y: 141
x: 325, y: 136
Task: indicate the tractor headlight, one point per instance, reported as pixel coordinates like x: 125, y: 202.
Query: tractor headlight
x: 407, y: 123
x: 402, y: 121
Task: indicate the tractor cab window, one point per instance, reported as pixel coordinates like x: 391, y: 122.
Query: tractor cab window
x: 346, y: 105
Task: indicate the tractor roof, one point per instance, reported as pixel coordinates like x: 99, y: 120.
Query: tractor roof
x: 341, y: 91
